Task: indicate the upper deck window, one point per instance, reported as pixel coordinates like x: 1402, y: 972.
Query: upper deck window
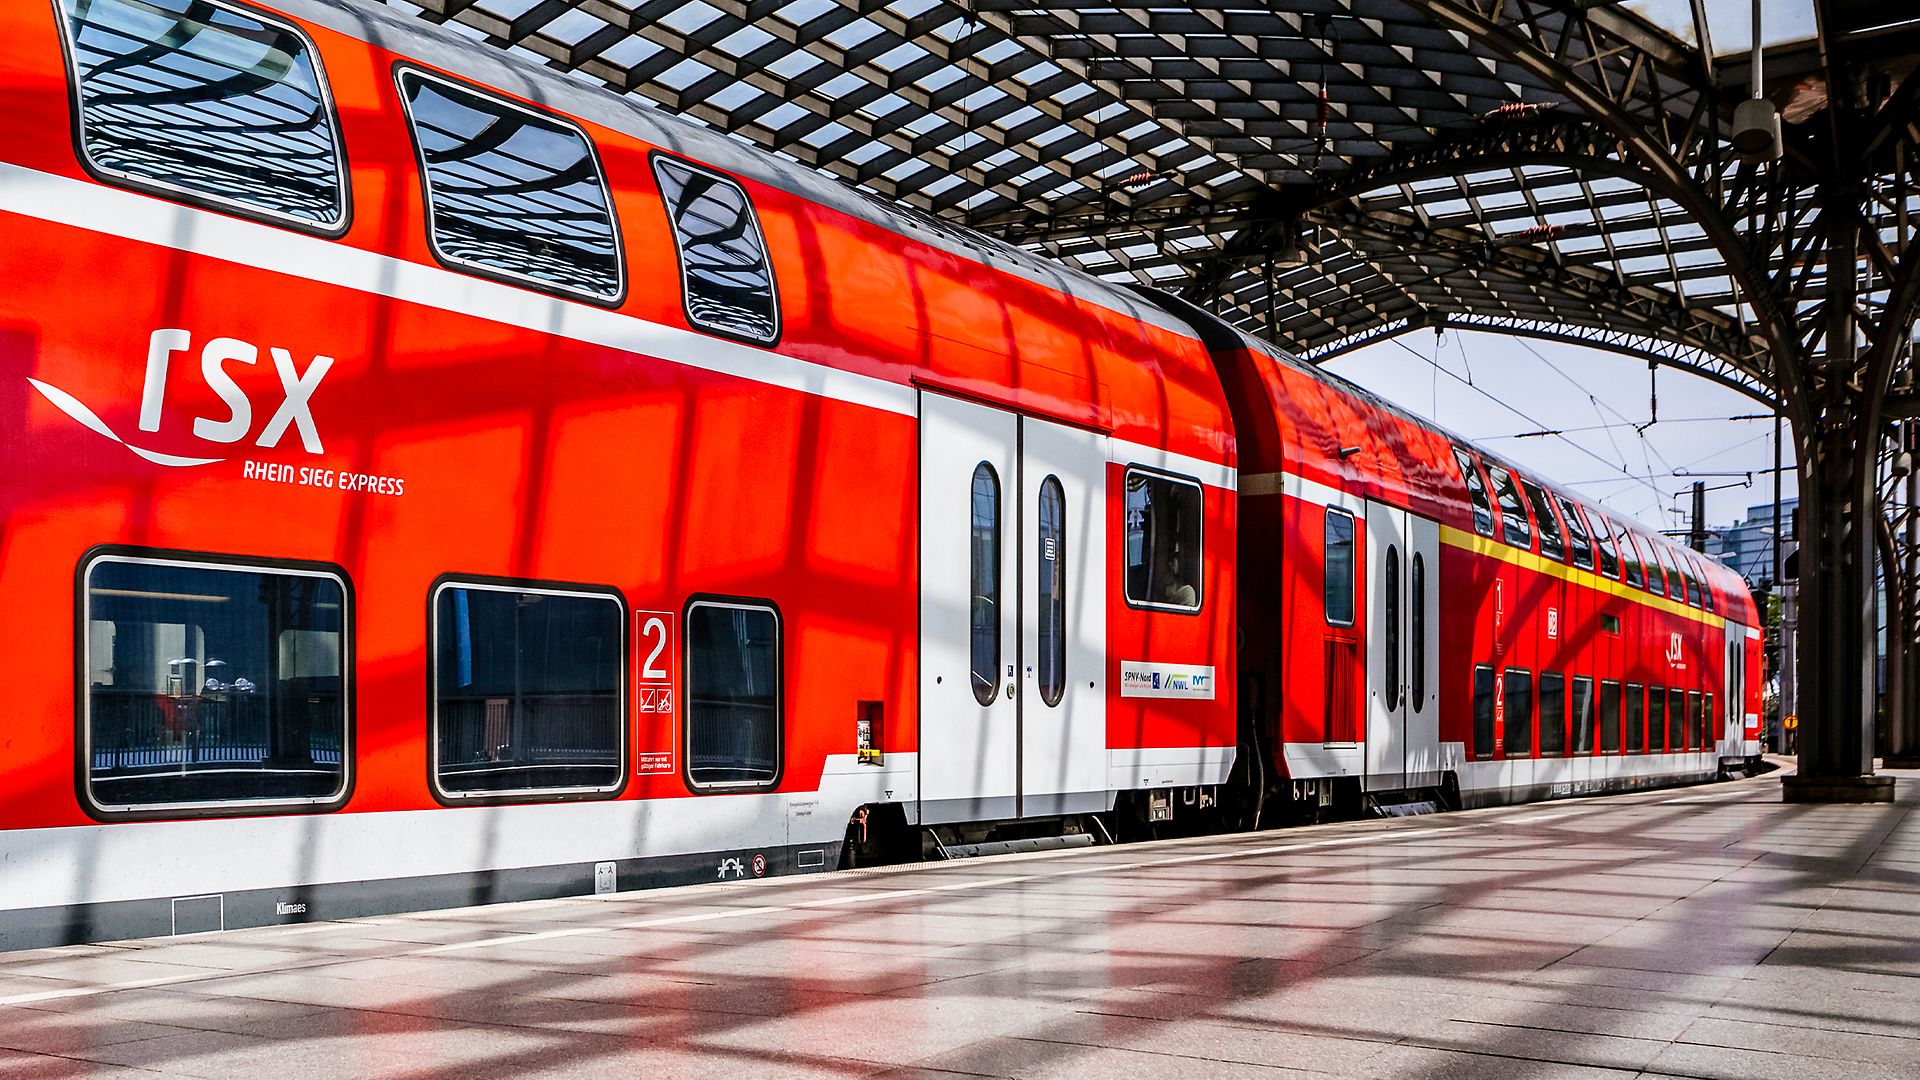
x: 724, y: 269
x: 1553, y: 543
x: 1603, y: 545
x: 511, y: 191
x: 1476, y: 492
x: 200, y: 99
x: 1163, y: 541
x: 1513, y: 514
x: 1630, y: 555
x: 1579, y: 540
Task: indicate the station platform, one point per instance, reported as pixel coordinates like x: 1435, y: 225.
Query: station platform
x: 1712, y: 931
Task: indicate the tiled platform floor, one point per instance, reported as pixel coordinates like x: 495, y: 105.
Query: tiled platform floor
x: 1704, y: 932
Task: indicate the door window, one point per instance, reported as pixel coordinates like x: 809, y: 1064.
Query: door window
x: 984, y: 614
x: 1392, y: 688
x: 1052, y: 592
x: 1419, y: 631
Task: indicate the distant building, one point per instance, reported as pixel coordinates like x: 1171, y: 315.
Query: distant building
x: 1747, y: 546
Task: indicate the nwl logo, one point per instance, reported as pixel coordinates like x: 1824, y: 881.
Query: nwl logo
x: 295, y: 411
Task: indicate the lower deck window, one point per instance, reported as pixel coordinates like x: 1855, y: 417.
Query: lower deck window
x: 528, y: 690
x: 1609, y: 717
x: 210, y: 684
x: 1636, y: 718
x: 1553, y: 714
x: 1518, y: 707
x: 1656, y: 719
x: 1483, y: 703
x: 733, y: 711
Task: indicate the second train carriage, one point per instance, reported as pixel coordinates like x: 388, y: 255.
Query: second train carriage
x: 478, y: 487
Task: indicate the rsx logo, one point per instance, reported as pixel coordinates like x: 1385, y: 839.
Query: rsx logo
x: 295, y: 409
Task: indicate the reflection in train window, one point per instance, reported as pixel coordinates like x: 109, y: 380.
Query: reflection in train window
x: 512, y: 191
x: 1163, y: 541
x: 1051, y: 598
x: 1577, y: 536
x: 1581, y: 702
x: 1476, y: 492
x: 983, y: 616
x: 733, y: 707
x: 1553, y: 543
x: 203, y: 99
x: 1630, y: 555
x: 211, y: 684
x: 1656, y: 719
x: 1553, y: 714
x: 529, y: 688
x: 1513, y: 514
x: 1339, y: 567
x: 724, y: 270
x: 1517, y: 692
x: 1603, y: 540
x: 1609, y: 717
x: 1483, y: 710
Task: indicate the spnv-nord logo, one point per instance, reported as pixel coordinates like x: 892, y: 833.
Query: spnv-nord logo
x: 217, y: 357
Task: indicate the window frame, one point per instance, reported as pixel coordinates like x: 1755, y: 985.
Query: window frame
x: 202, y: 560
x: 1041, y: 610
x: 1505, y: 716
x: 1353, y: 568
x: 1470, y: 472
x: 1564, y: 685
x: 1547, y: 521
x: 1606, y: 550
x: 545, y: 588
x: 1575, y: 728
x: 1495, y: 699
x: 685, y: 693
x: 200, y: 199
x: 615, y: 299
x: 680, y: 259
x: 1633, y: 735
x: 1200, y: 587
x: 1520, y: 500
x: 999, y: 585
x: 1617, y: 719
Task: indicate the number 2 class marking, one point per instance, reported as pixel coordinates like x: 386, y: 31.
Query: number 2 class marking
x: 654, y: 626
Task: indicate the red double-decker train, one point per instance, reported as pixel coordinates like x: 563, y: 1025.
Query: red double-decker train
x: 430, y: 480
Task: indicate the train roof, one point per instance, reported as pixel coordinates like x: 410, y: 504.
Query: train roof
x: 1218, y: 334
x: 454, y: 53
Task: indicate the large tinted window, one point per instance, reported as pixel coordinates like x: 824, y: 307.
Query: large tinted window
x: 202, y: 98
x: 1517, y: 690
x: 1476, y: 492
x: 1552, y: 542
x: 1163, y: 541
x: 529, y: 690
x: 1676, y: 719
x: 1339, y: 567
x: 211, y: 684
x: 512, y: 191
x: 1051, y: 592
x: 1484, y: 696
x: 724, y: 269
x: 1553, y: 713
x: 1513, y: 514
x: 733, y: 709
x: 984, y: 556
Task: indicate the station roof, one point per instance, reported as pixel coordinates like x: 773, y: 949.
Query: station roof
x: 1322, y: 173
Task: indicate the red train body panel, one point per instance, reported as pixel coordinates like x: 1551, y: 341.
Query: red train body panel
x: 377, y: 441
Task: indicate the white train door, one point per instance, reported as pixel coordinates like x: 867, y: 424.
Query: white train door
x: 1403, y: 650
x: 1012, y: 615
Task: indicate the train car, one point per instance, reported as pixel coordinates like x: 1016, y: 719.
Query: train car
x: 1425, y: 621
x: 430, y: 480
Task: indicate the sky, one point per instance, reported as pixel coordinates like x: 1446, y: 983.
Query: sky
x: 1492, y: 387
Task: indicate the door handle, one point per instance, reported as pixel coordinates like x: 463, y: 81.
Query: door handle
x: 1009, y: 689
